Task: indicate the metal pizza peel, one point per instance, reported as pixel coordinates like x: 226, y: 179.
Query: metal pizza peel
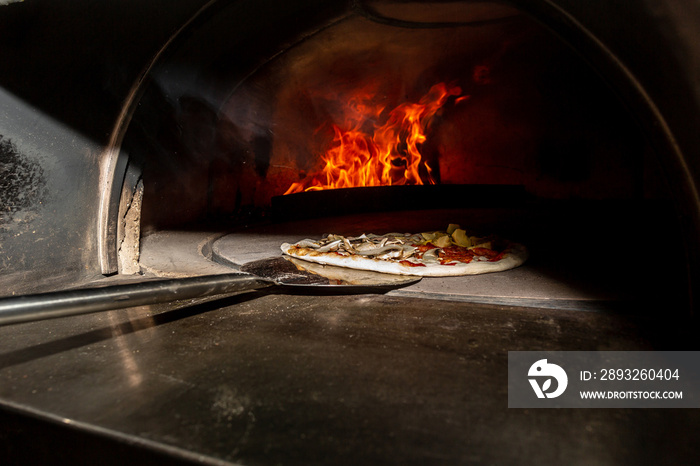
x: 273, y: 274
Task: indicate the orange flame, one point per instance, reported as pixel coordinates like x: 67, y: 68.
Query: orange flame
x: 390, y: 156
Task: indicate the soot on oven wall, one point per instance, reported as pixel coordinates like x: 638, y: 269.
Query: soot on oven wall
x: 22, y: 187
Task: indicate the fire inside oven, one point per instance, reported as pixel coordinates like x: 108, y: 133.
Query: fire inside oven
x: 401, y: 117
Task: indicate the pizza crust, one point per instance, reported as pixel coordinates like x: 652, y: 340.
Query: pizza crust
x: 515, y: 256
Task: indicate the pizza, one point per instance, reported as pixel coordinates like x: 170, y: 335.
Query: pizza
x: 446, y: 253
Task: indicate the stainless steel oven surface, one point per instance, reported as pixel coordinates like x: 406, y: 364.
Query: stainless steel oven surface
x: 145, y: 144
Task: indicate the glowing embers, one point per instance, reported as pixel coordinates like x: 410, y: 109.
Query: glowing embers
x: 364, y: 153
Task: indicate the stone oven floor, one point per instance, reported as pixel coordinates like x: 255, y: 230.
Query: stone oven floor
x: 567, y: 269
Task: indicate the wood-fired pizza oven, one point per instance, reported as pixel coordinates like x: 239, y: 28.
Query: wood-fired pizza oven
x: 530, y: 128
x: 544, y: 123
x: 165, y: 138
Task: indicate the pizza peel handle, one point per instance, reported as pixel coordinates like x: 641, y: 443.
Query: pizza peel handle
x: 14, y: 310
x: 28, y: 308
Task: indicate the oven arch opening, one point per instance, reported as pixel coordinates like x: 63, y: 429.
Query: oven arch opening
x: 200, y: 94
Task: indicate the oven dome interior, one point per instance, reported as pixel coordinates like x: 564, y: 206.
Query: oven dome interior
x: 217, y: 135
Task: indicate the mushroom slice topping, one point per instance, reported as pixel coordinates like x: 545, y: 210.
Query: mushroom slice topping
x: 431, y: 256
x: 381, y: 250
x: 308, y: 243
x: 332, y: 246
